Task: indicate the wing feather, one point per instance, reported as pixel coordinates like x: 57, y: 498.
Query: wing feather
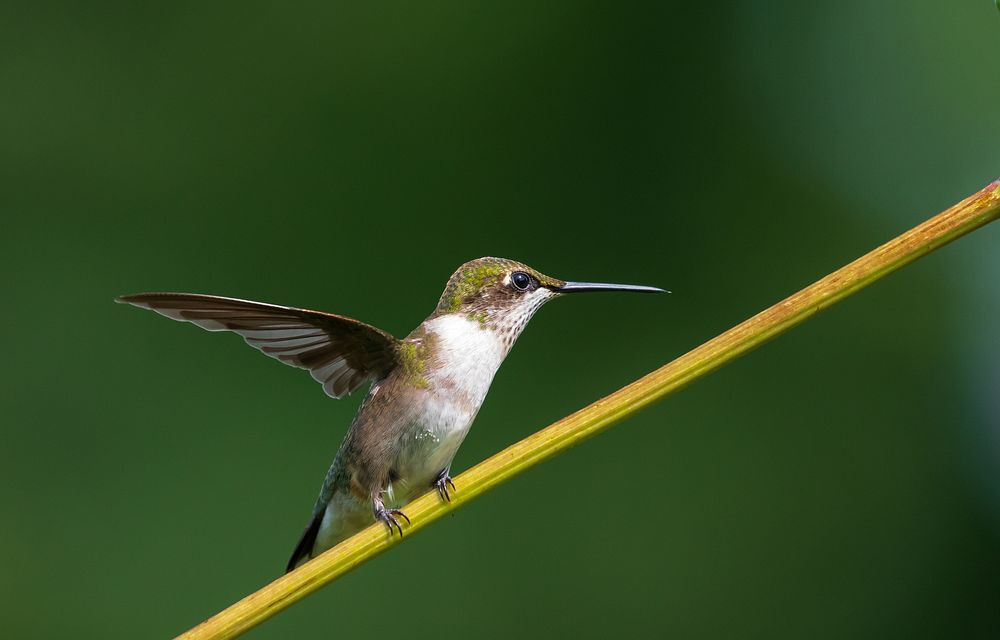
x: 340, y: 353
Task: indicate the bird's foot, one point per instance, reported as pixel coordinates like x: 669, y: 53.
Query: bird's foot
x: 388, y: 517
x: 442, y: 483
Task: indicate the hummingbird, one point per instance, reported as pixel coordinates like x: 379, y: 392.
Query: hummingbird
x: 425, y: 392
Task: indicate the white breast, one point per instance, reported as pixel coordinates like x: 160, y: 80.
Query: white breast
x: 468, y: 356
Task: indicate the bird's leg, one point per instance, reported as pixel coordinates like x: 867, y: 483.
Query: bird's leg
x: 388, y: 516
x: 442, y: 482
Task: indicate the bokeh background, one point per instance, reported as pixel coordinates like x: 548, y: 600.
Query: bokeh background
x: 840, y: 482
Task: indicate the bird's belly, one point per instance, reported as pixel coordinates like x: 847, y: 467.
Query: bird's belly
x: 429, y: 446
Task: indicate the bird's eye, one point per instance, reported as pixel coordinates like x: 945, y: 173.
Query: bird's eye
x: 520, y: 280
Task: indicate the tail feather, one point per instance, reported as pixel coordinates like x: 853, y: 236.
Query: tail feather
x: 304, y: 548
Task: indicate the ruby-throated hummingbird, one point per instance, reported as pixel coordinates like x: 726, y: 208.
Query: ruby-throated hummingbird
x: 426, y: 391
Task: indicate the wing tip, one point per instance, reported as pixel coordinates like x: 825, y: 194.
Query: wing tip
x: 134, y: 299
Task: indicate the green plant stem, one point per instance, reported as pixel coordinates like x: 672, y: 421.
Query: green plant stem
x: 966, y: 216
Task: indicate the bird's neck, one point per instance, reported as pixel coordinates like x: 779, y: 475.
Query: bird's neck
x: 463, y: 354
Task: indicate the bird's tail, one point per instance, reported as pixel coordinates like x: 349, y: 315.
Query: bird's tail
x: 305, y: 546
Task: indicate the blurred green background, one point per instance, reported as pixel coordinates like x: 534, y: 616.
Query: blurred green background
x: 839, y: 482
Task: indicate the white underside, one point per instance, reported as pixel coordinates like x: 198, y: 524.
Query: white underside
x: 469, y: 356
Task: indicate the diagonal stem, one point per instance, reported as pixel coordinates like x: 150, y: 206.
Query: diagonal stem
x: 960, y: 219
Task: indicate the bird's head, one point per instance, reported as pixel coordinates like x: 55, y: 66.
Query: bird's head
x: 503, y: 294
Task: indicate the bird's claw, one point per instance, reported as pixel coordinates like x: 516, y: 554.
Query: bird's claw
x: 442, y: 483
x: 388, y: 517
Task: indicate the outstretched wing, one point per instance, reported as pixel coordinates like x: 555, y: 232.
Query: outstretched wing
x: 340, y: 353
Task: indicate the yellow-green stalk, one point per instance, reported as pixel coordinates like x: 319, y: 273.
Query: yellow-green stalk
x: 960, y: 219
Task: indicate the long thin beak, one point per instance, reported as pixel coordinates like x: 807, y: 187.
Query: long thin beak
x: 574, y: 287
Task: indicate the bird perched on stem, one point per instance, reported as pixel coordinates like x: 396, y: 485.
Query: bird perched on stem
x: 426, y: 390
